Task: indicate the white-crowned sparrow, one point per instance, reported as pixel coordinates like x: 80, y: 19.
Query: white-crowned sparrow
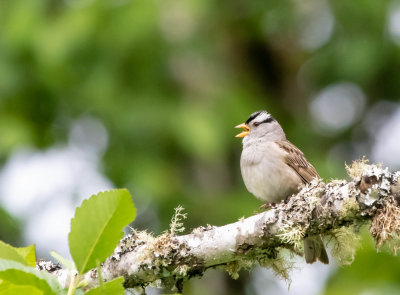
x: 273, y: 169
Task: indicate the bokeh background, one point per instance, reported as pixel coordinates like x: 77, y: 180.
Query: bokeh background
x: 144, y: 94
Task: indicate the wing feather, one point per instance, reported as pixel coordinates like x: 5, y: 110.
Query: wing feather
x: 296, y: 160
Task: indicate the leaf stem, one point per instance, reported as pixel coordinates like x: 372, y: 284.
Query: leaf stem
x: 73, y: 284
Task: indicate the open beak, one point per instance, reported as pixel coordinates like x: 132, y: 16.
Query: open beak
x: 245, y: 132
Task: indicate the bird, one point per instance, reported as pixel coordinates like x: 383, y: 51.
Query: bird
x: 273, y: 169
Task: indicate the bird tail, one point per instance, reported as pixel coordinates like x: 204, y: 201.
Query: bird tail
x: 314, y: 249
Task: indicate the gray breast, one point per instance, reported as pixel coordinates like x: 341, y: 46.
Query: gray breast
x: 265, y: 174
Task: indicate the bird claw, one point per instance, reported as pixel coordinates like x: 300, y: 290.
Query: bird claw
x: 267, y: 206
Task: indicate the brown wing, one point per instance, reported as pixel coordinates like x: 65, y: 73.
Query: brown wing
x: 295, y: 159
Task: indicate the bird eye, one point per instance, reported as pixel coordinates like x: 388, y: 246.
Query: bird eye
x: 256, y: 124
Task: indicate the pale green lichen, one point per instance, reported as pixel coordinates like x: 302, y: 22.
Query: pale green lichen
x: 293, y: 235
x: 350, y: 207
x: 181, y: 270
x: 176, y: 225
x: 392, y: 244
x: 233, y: 267
x: 313, y: 200
x: 281, y: 265
x: 154, y: 250
x: 144, y: 238
x: 312, y: 191
x: 385, y: 226
x: 357, y: 168
x: 345, y: 242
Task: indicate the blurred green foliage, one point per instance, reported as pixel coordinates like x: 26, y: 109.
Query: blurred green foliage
x: 370, y: 272
x: 169, y: 80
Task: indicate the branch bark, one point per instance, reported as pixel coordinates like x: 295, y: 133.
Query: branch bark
x: 335, y: 210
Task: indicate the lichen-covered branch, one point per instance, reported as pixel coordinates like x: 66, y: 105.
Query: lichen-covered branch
x: 334, y: 210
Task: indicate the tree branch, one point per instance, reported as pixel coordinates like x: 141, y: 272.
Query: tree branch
x: 334, y: 210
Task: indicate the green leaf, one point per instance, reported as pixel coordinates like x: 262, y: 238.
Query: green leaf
x: 97, y: 227
x: 29, y: 254
x: 64, y: 261
x: 4, y: 285
x: 21, y: 275
x: 11, y: 253
x: 109, y: 288
x: 11, y: 289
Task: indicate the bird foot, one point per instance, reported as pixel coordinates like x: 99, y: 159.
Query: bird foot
x: 267, y: 206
